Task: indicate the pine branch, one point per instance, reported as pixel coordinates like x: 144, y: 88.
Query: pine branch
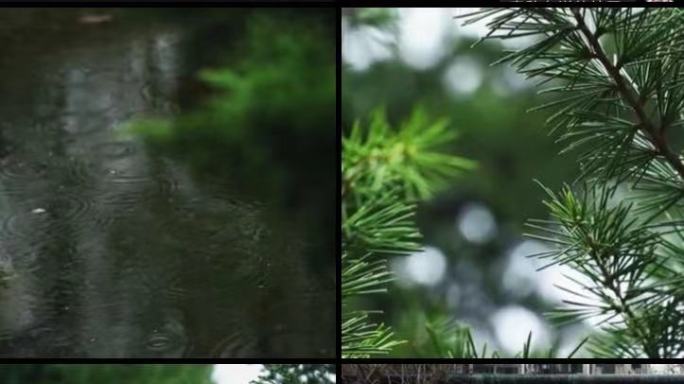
x: 631, y: 96
x: 452, y: 340
x: 408, y: 160
x: 384, y: 171
x: 623, y: 90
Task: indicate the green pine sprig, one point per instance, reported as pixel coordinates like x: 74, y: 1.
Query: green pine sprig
x: 614, y: 79
x: 385, y: 170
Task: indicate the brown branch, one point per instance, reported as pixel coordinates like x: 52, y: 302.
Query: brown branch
x: 631, y: 96
x: 623, y: 307
x: 656, y: 136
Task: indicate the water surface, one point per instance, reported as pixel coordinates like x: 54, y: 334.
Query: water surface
x: 111, y: 250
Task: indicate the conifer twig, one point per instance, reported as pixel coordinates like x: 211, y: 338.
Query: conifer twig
x: 630, y: 95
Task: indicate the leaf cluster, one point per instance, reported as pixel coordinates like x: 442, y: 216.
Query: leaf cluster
x: 406, y: 160
x: 385, y: 170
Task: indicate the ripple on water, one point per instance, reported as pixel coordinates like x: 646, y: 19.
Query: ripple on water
x: 125, y: 189
x: 297, y: 343
x: 236, y: 344
x: 82, y: 122
x: 28, y: 179
x: 157, y: 342
x: 78, y: 173
x: 169, y: 338
x: 126, y: 205
x: 16, y: 176
x: 163, y: 281
x: 114, y: 149
x: 33, y: 219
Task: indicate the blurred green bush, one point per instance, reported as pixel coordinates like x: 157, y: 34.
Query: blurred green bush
x: 270, y: 117
x: 104, y: 374
x: 511, y: 148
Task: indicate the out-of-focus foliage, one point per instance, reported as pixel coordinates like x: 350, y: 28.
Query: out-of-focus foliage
x: 511, y: 149
x: 266, y: 124
x: 297, y: 374
x: 105, y: 373
x: 273, y: 104
x: 370, y: 17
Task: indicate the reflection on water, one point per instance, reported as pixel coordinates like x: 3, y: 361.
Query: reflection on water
x: 108, y: 250
x: 565, y: 379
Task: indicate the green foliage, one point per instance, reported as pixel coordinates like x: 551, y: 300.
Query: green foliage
x: 384, y: 170
x: 617, y: 77
x: 373, y: 17
x: 511, y: 148
x: 105, y: 373
x: 380, y: 157
x: 451, y: 339
x: 273, y: 103
x: 143, y: 374
x: 382, y: 224
x: 297, y: 374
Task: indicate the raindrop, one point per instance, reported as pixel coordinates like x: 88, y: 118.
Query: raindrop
x: 237, y: 344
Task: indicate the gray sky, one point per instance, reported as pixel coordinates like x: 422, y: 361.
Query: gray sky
x: 236, y: 373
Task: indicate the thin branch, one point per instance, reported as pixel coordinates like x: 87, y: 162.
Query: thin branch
x: 636, y: 102
x: 630, y: 95
x: 632, y: 318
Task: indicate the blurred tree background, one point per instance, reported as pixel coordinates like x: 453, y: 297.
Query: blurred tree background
x: 104, y: 373
x: 474, y: 268
x: 250, y: 115
x: 156, y: 374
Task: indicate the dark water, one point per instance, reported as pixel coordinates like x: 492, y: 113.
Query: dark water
x: 110, y: 250
x: 566, y: 379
